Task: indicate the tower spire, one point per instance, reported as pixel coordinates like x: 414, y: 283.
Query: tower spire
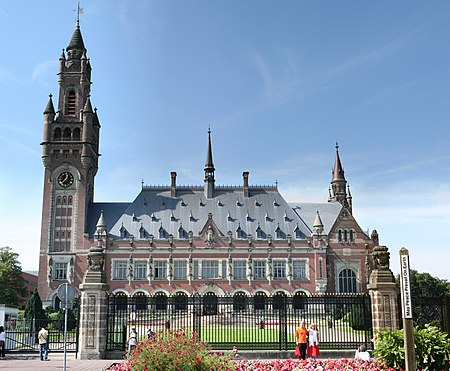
x: 209, y: 169
x: 338, y: 182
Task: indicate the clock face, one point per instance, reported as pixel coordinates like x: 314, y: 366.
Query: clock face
x: 65, y: 179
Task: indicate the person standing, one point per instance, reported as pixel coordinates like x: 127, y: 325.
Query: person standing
x: 301, y: 335
x: 313, y: 341
x: 43, y: 344
x: 132, y: 340
x: 2, y: 341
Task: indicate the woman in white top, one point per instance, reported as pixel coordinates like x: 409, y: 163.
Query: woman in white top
x: 2, y: 341
x: 313, y: 341
x: 362, y: 353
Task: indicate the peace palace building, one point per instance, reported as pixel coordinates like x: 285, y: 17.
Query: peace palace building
x: 178, y: 240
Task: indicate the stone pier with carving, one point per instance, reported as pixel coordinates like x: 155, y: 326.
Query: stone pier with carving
x: 383, y: 292
x: 94, y: 306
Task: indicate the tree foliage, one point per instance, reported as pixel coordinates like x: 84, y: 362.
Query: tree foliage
x: 12, y: 284
x: 34, y: 309
x: 424, y: 284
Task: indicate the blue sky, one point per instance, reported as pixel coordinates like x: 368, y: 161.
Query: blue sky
x: 278, y: 82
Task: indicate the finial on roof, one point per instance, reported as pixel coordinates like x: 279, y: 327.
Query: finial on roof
x: 49, y: 108
x: 79, y: 11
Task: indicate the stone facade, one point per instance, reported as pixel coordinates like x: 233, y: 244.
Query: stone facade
x: 178, y: 240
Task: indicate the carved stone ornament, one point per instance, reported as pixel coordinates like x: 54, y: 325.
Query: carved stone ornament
x: 96, y: 258
x: 381, y: 257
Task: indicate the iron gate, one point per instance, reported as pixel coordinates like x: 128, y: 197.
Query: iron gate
x: 251, y: 323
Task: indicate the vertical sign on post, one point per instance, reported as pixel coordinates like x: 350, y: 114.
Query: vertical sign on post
x: 408, y: 326
x: 66, y: 292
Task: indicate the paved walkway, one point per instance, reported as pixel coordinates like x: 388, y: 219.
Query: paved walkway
x: 56, y: 363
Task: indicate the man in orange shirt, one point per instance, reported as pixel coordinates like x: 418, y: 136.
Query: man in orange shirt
x: 301, y: 335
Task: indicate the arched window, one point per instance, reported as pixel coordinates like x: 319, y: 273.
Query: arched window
x: 240, y: 301
x: 299, y: 300
x: 140, y: 300
x: 352, y: 235
x: 57, y: 134
x: 345, y: 235
x: 260, y: 300
x: 67, y: 135
x: 76, y: 134
x: 279, y: 301
x: 161, y: 301
x: 339, y: 235
x: 69, y: 202
x: 181, y: 301
x: 71, y: 103
x: 347, y: 281
x: 121, y: 300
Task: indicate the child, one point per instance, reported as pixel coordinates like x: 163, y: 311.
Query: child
x: 236, y: 351
x: 313, y: 341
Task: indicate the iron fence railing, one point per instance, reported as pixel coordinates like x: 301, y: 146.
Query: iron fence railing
x: 250, y: 323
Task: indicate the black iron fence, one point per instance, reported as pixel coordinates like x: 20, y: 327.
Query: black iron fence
x: 23, y: 335
x: 434, y: 310
x: 250, y: 323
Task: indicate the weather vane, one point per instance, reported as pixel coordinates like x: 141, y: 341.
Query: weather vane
x: 79, y: 11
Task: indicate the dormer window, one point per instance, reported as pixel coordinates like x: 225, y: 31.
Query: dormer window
x: 259, y: 233
x: 142, y: 233
x: 299, y: 235
x: 123, y: 232
x: 278, y: 233
x: 181, y: 233
x: 71, y: 103
x: 162, y: 232
x: 239, y: 232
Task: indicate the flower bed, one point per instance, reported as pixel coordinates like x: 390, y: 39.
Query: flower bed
x: 291, y: 365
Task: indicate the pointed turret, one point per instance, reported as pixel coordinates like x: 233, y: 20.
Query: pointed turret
x: 338, y: 182
x: 209, y: 170
x: 100, y: 228
x: 49, y: 109
x: 349, y: 198
x: 318, y: 225
x: 76, y: 42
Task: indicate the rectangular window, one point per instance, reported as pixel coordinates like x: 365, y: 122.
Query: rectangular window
x: 224, y: 269
x: 259, y: 269
x: 179, y: 269
x: 140, y: 270
x: 320, y: 269
x: 119, y: 270
x: 160, y: 269
x: 299, y: 269
x: 210, y: 269
x: 60, y: 271
x: 239, y: 268
x: 195, y: 269
x: 279, y: 269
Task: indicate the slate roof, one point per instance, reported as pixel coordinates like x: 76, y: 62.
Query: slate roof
x: 154, y: 209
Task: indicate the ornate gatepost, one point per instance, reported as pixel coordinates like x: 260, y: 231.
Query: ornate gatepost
x: 94, y: 305
x: 383, y: 292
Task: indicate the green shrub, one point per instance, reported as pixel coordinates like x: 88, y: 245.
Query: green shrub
x: 432, y: 348
x: 356, y: 318
x: 176, y: 350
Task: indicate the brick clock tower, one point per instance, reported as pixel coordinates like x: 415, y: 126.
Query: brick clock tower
x: 70, y: 152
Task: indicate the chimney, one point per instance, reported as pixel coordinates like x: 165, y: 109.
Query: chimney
x: 173, y: 184
x: 245, y: 176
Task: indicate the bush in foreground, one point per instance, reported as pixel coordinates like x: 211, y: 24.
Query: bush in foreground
x: 174, y: 350
x: 432, y: 348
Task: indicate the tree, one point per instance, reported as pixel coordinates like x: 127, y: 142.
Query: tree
x: 34, y: 309
x: 424, y: 284
x: 12, y: 284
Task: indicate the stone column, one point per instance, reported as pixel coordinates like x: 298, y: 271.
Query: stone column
x: 94, y: 306
x: 383, y: 292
